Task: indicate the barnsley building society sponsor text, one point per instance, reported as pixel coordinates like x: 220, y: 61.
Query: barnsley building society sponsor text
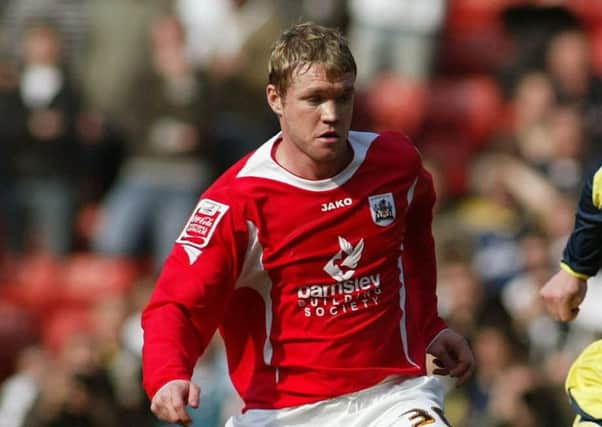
x: 343, y: 297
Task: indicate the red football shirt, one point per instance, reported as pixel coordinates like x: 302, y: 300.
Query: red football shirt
x: 319, y: 288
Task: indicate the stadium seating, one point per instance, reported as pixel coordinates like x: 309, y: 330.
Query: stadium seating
x: 85, y: 276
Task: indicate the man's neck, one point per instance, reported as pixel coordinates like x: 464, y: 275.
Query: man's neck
x: 289, y: 157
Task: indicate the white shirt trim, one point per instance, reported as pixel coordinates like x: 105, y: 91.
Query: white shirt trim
x: 262, y: 165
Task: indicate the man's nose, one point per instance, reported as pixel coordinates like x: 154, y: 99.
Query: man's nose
x: 330, y: 112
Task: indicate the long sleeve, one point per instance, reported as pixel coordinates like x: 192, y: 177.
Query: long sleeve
x: 190, y: 297
x: 582, y: 255
x: 419, y: 258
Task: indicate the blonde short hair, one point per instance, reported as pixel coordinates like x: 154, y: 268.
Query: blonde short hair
x: 304, y: 45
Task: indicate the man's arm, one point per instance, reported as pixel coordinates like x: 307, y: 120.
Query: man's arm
x: 185, y: 309
x: 582, y: 256
x: 169, y: 403
x: 451, y: 351
x: 419, y: 257
x: 583, y: 252
x: 563, y: 294
x: 452, y: 355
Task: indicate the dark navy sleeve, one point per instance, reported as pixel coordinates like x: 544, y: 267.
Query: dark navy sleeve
x: 582, y: 255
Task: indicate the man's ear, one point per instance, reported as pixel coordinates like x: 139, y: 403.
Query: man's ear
x: 274, y: 99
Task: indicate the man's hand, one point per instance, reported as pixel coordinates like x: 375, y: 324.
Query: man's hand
x: 452, y: 356
x: 169, y: 403
x: 563, y: 294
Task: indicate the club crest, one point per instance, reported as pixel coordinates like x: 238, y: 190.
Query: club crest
x: 382, y: 209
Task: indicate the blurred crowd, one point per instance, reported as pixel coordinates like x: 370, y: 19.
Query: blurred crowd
x: 116, y: 114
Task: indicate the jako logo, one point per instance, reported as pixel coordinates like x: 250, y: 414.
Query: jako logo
x: 330, y: 206
x: 352, y: 256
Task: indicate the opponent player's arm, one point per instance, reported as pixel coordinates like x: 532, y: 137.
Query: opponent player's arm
x: 582, y: 255
x: 564, y: 292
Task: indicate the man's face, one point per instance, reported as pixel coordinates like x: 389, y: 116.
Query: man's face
x: 42, y: 46
x: 315, y: 114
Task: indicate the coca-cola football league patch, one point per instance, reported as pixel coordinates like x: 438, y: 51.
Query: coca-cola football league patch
x: 200, y: 227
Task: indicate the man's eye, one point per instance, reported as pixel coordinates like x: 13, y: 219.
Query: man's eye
x: 345, y: 98
x: 315, y: 100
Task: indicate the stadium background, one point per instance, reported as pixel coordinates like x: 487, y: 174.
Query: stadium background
x: 502, y: 97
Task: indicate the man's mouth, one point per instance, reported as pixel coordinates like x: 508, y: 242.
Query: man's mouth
x: 329, y: 135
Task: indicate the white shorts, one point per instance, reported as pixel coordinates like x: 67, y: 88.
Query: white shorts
x: 397, y: 402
